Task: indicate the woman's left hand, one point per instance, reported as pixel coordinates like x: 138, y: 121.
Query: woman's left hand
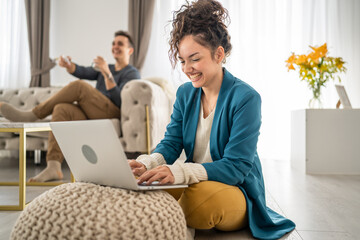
x: 136, y: 167
x: 162, y: 174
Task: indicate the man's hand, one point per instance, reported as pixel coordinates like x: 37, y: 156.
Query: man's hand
x: 162, y: 174
x: 137, y: 167
x: 101, y: 64
x: 66, y: 63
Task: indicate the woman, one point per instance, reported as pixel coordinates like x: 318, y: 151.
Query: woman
x: 216, y: 120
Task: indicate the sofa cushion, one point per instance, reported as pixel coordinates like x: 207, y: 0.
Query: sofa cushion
x: 27, y: 98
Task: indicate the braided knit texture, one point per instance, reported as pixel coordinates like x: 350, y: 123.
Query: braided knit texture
x: 89, y: 211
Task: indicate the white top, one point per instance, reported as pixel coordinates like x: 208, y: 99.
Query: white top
x: 202, y: 140
x: 188, y: 173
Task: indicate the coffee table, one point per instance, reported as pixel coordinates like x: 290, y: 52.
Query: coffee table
x: 23, y: 128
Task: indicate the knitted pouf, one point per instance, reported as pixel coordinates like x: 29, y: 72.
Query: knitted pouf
x: 89, y: 211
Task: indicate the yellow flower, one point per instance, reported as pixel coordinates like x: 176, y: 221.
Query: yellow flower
x: 316, y: 68
x: 291, y: 67
x: 290, y: 62
x: 301, y: 59
x: 320, y: 51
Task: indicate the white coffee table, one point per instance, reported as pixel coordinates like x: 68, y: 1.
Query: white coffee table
x: 23, y: 129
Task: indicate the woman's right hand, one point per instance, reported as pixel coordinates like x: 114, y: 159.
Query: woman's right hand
x: 137, y: 168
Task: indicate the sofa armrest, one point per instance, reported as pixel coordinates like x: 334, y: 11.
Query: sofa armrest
x: 134, y: 98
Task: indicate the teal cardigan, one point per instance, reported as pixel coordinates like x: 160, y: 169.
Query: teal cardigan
x: 233, y: 147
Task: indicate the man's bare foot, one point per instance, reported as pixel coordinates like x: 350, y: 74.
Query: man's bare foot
x: 51, y: 172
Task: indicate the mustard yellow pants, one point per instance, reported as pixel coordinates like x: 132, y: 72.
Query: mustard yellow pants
x: 212, y: 204
x: 76, y: 101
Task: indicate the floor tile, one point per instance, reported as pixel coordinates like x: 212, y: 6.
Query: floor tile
x: 313, y: 235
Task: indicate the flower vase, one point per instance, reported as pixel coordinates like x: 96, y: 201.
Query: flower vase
x: 315, y: 103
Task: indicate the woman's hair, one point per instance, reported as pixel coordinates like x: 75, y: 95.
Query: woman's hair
x: 205, y: 21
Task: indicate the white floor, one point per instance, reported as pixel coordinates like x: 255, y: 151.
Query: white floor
x: 323, y: 207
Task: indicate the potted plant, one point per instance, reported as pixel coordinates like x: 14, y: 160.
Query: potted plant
x: 316, y: 68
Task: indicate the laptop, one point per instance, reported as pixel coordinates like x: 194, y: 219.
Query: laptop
x: 94, y: 154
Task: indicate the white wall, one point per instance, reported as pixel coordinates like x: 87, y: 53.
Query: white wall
x: 84, y: 29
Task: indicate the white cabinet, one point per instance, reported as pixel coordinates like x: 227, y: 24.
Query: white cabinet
x: 326, y: 141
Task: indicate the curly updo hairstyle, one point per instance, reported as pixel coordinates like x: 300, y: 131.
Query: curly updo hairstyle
x: 206, y: 21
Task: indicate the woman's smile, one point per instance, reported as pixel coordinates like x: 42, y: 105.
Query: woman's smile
x: 195, y: 77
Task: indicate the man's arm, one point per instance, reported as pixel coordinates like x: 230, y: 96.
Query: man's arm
x: 129, y: 73
x: 78, y: 71
x: 109, y: 80
x: 105, y: 71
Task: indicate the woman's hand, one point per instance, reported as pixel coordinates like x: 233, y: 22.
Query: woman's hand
x: 137, y: 167
x: 162, y: 174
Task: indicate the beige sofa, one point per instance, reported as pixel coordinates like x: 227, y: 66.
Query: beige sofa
x: 132, y: 128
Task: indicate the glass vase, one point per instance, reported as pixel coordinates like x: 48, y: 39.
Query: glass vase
x: 315, y: 103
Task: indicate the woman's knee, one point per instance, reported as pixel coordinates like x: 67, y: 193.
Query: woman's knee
x: 212, y: 204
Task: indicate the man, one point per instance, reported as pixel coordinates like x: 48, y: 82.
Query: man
x: 79, y: 100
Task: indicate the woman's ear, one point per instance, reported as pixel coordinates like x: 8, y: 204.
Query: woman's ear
x: 219, y: 54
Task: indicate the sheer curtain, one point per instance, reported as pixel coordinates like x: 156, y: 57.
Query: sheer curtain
x: 14, y: 49
x: 264, y: 33
x: 157, y: 62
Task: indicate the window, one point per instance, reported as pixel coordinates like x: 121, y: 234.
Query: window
x: 14, y: 49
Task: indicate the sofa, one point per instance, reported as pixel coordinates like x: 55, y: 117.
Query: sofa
x: 145, y: 112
